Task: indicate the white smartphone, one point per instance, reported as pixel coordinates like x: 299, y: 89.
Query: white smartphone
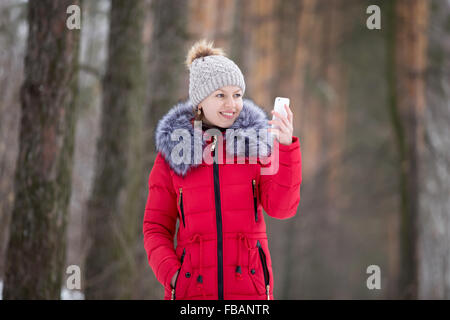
x: 279, y: 107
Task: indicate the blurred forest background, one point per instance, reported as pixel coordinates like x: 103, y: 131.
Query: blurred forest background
x: 78, y: 110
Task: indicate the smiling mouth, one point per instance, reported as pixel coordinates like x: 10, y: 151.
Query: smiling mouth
x: 228, y: 115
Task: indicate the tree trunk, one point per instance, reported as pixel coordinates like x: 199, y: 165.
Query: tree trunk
x: 36, y: 251
x: 167, y: 71
x: 113, y: 222
x: 434, y: 213
x: 11, y: 63
x: 406, y: 60
x: 288, y: 16
x: 167, y: 80
x: 262, y: 41
x: 93, y: 45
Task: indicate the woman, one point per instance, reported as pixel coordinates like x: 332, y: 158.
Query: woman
x: 222, y: 250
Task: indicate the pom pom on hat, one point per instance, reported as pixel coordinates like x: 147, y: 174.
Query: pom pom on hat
x: 200, y: 49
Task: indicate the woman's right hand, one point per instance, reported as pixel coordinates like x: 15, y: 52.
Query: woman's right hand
x: 174, y: 278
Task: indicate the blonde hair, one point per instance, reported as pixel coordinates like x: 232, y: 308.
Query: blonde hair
x: 197, y: 117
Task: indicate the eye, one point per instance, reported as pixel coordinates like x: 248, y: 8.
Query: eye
x: 221, y: 95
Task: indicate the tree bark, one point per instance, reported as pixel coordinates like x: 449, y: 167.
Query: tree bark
x: 36, y: 251
x: 11, y: 62
x: 113, y: 222
x: 167, y: 71
x: 434, y: 213
x: 406, y: 61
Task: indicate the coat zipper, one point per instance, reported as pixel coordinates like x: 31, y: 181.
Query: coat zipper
x: 255, y: 199
x: 262, y: 256
x: 180, y: 203
x: 213, y: 147
x: 179, y: 270
x: 218, y: 222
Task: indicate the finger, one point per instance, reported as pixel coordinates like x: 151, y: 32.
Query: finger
x: 284, y: 126
x: 275, y: 132
x: 282, y: 118
x: 283, y: 129
x: 289, y: 120
x: 289, y: 113
x: 281, y: 125
x: 286, y: 121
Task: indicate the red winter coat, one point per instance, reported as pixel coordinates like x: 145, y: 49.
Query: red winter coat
x: 222, y: 249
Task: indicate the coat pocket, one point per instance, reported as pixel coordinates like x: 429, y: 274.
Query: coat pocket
x: 258, y: 270
x: 174, y: 289
x: 180, y: 205
x: 265, y: 268
x: 182, y: 281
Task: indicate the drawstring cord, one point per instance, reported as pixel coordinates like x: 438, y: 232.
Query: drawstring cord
x: 200, y: 276
x: 238, y: 271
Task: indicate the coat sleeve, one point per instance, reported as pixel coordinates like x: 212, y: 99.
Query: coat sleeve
x: 160, y: 222
x: 280, y: 192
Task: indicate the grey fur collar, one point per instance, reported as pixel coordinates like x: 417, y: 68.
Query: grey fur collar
x: 179, y: 117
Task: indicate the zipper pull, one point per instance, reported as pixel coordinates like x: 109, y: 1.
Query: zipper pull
x: 173, y: 295
x: 267, y: 292
x: 255, y: 199
x: 214, y: 143
x: 179, y: 198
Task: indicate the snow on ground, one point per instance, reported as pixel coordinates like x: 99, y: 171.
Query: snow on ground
x: 66, y: 294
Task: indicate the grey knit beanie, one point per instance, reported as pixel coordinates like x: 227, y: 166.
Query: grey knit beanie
x: 210, y: 70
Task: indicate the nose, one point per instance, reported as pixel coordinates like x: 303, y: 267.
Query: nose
x: 230, y: 102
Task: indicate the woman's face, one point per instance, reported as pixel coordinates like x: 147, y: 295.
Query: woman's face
x: 222, y: 107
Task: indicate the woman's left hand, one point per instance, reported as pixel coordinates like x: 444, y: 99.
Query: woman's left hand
x: 285, y: 126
